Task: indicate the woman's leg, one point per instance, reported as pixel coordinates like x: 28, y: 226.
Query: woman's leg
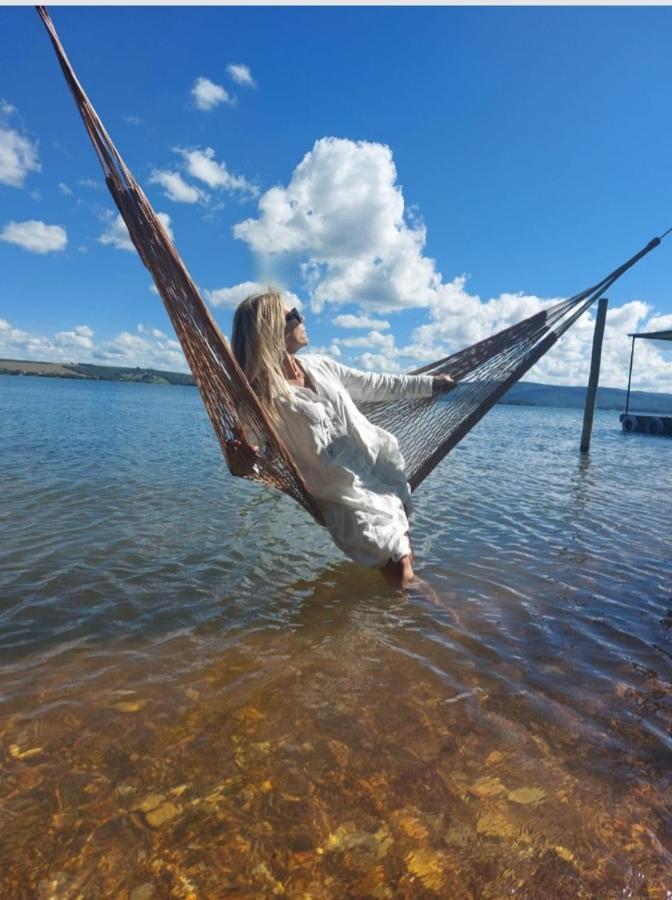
x: 399, y: 571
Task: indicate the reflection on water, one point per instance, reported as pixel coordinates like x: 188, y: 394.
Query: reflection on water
x: 200, y: 698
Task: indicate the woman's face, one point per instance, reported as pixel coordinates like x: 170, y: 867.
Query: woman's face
x: 295, y: 331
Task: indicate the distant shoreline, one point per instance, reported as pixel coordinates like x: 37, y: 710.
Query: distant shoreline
x: 90, y: 372
x: 524, y: 393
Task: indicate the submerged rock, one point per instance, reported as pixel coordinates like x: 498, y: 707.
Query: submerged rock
x: 162, y: 814
x: 527, y: 795
x: 428, y: 866
x: 143, y: 892
x: 149, y: 801
x: 487, y: 786
x: 130, y: 706
x: 496, y: 824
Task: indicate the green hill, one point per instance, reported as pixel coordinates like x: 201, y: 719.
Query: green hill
x: 525, y: 393
x: 530, y: 393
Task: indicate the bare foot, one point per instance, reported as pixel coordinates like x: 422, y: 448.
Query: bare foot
x: 399, y: 572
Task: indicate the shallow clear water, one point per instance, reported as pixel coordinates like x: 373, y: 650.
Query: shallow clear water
x: 200, y: 697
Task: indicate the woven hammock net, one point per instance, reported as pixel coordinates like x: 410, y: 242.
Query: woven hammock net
x: 427, y: 429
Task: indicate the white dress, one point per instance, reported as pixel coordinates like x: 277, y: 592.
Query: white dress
x: 354, y: 469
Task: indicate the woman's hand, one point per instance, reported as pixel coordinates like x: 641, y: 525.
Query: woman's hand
x: 443, y: 383
x: 242, y: 456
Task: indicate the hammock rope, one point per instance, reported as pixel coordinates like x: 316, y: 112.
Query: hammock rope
x: 427, y: 429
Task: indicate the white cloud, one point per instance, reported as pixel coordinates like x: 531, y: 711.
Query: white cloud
x: 461, y: 319
x: 64, y: 189
x: 342, y: 217
x: 207, y: 95
x: 378, y: 362
x: 175, y: 187
x: 328, y: 350
x: 6, y: 108
x: 341, y: 222
x: 201, y: 164
x: 147, y: 350
x: 15, y: 343
x: 152, y: 349
x: 349, y: 321
x: 133, y: 120
x: 372, y: 339
x: 18, y: 157
x: 230, y: 297
x: 116, y: 233
x: 18, y: 344
x: 90, y: 183
x: 241, y: 74
x: 35, y: 236
x: 80, y: 337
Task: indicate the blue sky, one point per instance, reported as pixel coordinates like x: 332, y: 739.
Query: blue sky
x: 417, y: 178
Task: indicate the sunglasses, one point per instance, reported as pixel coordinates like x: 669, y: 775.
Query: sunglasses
x: 293, y: 314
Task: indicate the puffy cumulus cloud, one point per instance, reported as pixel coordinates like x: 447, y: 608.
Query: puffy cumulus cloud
x: 457, y: 318
x: 569, y: 361
x: 461, y: 319
x: 175, y: 187
x: 341, y: 220
x: 660, y: 323
x: 241, y: 74
x: 15, y: 343
x: 383, y: 355
x: 149, y: 348
x: 80, y: 337
x: 35, y: 236
x: 201, y: 164
x: 207, y: 95
x: 231, y: 296
x: 6, y: 108
x: 64, y: 188
x: 350, y: 321
x: 331, y: 349
x: 373, y: 339
x: 116, y: 234
x: 342, y: 217
x: 378, y: 362
x: 18, y: 157
x: 154, y: 332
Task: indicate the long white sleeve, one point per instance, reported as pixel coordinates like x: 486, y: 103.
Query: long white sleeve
x: 364, y: 386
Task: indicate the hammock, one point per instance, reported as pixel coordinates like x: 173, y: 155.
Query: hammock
x: 427, y: 429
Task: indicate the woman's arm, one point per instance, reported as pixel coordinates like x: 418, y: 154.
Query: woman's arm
x: 374, y: 386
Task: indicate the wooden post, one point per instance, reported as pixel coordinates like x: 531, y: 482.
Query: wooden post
x: 627, y: 396
x: 591, y: 393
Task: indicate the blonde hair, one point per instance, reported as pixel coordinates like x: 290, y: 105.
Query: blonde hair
x: 258, y: 342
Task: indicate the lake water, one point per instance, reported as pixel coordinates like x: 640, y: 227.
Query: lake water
x: 201, y: 697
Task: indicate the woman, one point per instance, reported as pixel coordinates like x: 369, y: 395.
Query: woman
x: 353, y: 468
